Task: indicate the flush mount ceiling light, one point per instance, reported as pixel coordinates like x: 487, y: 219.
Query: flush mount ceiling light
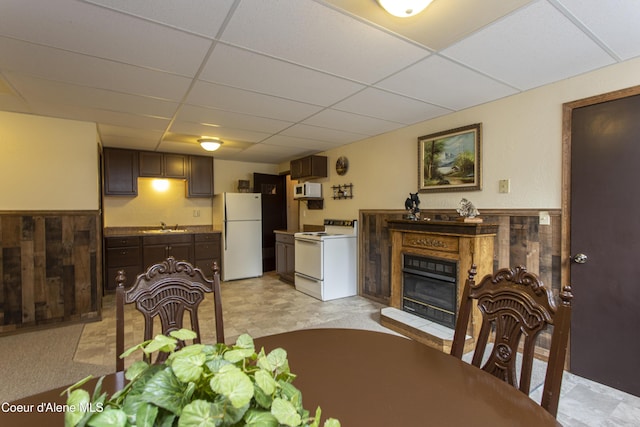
x: 404, y: 8
x: 210, y: 144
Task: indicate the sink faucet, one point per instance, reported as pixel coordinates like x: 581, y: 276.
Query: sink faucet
x: 163, y: 226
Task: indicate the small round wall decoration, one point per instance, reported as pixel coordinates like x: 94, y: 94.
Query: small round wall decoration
x: 342, y: 165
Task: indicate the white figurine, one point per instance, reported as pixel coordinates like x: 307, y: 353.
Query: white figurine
x: 467, y: 209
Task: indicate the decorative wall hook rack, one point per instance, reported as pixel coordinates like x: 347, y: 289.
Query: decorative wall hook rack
x: 344, y: 191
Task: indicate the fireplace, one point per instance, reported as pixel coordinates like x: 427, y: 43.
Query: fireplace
x: 429, y: 261
x: 429, y: 288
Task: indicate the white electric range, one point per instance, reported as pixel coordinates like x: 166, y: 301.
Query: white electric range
x: 326, y: 261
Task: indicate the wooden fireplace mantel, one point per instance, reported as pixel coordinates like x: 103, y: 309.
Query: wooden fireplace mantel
x: 464, y: 242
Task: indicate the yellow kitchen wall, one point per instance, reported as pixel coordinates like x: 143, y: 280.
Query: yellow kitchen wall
x: 521, y: 141
x: 151, y: 207
x: 47, y: 164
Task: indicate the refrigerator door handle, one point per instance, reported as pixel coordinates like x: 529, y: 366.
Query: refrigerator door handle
x: 224, y: 218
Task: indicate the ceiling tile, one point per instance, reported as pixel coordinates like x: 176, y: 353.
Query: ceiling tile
x: 442, y: 82
x: 242, y: 101
x: 84, y: 28
x: 264, y: 153
x: 353, y: 123
x: 220, y: 118
x: 306, y: 32
x: 322, y: 134
x: 300, y: 143
x: 115, y: 118
x: 80, y: 96
x: 199, y: 16
x: 532, y: 47
x: 83, y: 70
x: 615, y: 22
x: 240, y: 68
x: 122, y: 141
x: 389, y: 106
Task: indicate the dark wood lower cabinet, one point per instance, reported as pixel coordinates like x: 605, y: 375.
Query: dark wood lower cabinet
x: 207, y: 250
x: 285, y: 257
x: 157, y: 248
x: 121, y: 253
x: 134, y: 254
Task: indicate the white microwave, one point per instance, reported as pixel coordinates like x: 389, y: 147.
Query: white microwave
x: 307, y: 189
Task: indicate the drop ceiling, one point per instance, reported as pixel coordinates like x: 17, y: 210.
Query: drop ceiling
x: 280, y: 79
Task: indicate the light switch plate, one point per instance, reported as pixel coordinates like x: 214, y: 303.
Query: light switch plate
x: 504, y: 186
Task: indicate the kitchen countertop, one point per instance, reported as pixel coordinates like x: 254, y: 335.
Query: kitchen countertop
x: 145, y: 231
x: 286, y: 231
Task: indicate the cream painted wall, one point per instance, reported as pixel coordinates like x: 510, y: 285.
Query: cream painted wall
x: 47, y: 164
x: 152, y: 207
x: 522, y: 142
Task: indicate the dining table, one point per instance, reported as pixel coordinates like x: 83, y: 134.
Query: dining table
x: 362, y: 378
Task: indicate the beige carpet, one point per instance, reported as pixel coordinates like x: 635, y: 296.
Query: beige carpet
x: 41, y: 360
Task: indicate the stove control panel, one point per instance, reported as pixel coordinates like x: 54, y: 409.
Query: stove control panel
x: 340, y: 222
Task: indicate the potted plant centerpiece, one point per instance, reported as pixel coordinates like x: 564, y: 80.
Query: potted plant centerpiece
x: 197, y: 385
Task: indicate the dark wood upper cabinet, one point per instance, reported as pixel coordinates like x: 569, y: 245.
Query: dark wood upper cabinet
x: 309, y: 167
x: 151, y: 164
x: 123, y: 167
x: 175, y: 165
x: 163, y: 165
x: 200, y: 177
x: 120, y: 172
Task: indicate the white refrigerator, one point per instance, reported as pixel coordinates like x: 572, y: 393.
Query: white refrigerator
x: 239, y: 216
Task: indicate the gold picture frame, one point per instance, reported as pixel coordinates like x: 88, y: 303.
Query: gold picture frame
x: 450, y: 160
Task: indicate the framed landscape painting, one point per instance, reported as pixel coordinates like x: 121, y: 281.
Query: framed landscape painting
x: 450, y: 160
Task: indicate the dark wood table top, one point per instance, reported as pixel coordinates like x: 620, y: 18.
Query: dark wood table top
x: 366, y: 378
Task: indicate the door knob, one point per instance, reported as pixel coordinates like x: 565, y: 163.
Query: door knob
x: 580, y: 258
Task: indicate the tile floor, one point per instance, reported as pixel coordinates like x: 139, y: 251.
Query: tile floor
x: 266, y: 306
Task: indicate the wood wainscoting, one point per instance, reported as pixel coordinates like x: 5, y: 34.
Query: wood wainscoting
x: 51, y: 268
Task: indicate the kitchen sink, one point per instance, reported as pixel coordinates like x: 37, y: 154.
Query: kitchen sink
x: 165, y: 231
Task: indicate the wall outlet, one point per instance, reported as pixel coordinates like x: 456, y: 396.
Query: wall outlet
x: 196, y: 213
x: 545, y: 218
x: 504, y: 186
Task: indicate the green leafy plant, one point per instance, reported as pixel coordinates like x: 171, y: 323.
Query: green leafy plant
x: 198, y: 385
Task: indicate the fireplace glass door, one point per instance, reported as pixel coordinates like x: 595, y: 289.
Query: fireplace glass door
x: 430, y: 289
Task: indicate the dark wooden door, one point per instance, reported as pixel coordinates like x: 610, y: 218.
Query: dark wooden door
x: 605, y: 226
x: 274, y: 213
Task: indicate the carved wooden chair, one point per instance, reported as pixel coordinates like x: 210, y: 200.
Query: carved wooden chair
x: 167, y: 290
x: 515, y: 304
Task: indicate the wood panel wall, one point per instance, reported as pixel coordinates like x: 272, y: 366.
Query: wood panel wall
x: 521, y: 240
x: 51, y: 268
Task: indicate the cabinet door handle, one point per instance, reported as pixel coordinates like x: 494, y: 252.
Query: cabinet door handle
x: 123, y: 252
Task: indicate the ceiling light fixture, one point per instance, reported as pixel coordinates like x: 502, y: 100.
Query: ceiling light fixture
x: 210, y: 144
x: 404, y: 8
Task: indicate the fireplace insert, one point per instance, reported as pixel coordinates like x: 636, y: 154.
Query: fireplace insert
x: 429, y: 288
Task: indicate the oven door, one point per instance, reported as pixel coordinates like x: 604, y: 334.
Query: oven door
x: 309, y: 258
